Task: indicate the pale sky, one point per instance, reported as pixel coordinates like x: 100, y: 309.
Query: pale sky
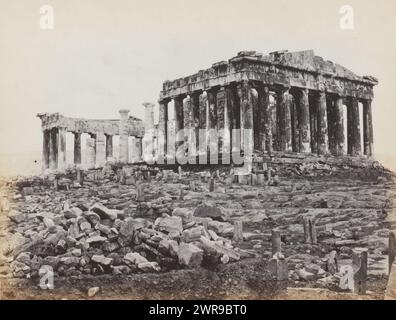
x: 106, y: 55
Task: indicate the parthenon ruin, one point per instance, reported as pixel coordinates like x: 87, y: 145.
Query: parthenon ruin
x: 286, y: 101
x: 291, y: 101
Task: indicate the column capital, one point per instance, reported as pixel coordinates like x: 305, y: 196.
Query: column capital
x: 124, y: 113
x: 164, y: 100
x: 366, y: 100
x: 179, y: 97
x: 244, y: 83
x: 196, y: 93
x: 282, y: 88
x: 213, y: 90
x: 148, y: 105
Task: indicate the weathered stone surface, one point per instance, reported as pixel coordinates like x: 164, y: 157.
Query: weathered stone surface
x: 148, y: 266
x: 210, y: 212
x: 193, y: 234
x: 103, y: 212
x: 96, y: 239
x: 189, y: 255
x: 16, y: 216
x: 101, y: 259
x: 217, y: 248
x: 135, y: 258
x: 93, y: 291
x: 350, y: 213
x: 92, y: 217
x: 185, y: 213
x: 170, y: 224
x: 305, y: 275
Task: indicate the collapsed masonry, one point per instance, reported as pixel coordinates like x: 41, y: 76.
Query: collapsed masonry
x: 285, y: 101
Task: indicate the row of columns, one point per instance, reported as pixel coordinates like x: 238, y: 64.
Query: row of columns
x: 99, y: 147
x: 301, y: 121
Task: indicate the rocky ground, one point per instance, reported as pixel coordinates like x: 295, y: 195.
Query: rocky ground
x: 143, y: 232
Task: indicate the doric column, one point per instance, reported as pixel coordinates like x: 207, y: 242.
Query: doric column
x: 189, y: 123
x: 246, y: 112
x: 258, y: 129
x: 138, y: 148
x: 330, y: 102
x: 171, y: 142
x: 109, y: 146
x: 221, y: 117
x: 274, y: 120
x: 179, y: 121
x: 77, y: 148
x: 229, y: 119
x: 178, y: 113
x: 90, y: 151
x: 46, y: 149
x: 294, y: 124
x: 212, y: 109
x: 187, y: 113
x: 212, y: 124
x: 284, y: 120
x: 148, y: 139
x: 266, y: 115
x: 135, y: 151
x: 123, y: 130
x: 313, y: 112
x: 323, y: 138
x: 304, y: 122
x: 367, y: 128
x: 62, y: 148
x: 353, y: 128
x: 203, y: 121
x: 100, y: 150
x: 53, y: 152
x: 338, y: 118
x: 194, y: 96
x: 162, y: 132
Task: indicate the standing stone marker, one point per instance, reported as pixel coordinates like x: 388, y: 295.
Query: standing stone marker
x: 359, y: 264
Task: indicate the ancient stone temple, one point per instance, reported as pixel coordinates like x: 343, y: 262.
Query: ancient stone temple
x: 99, y: 140
x: 290, y: 101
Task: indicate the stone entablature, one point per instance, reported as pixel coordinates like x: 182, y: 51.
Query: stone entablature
x: 294, y: 69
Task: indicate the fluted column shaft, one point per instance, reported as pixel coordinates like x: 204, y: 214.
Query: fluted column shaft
x: 90, y: 151
x: 367, y: 128
x: 123, y: 129
x: 109, y: 146
x: 246, y: 115
x: 77, y: 148
x: 354, y: 144
x: 162, y: 127
x: 148, y: 139
x: 100, y: 150
x: 304, y: 122
x: 323, y: 138
x: 284, y: 120
x: 53, y: 150
x: 46, y: 149
x: 339, y: 128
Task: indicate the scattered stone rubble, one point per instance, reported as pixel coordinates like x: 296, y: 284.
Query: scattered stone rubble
x: 139, y: 219
x: 80, y: 237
